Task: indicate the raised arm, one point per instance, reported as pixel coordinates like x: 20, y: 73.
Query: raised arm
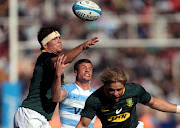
x: 72, y: 54
x: 84, y: 122
x: 162, y: 105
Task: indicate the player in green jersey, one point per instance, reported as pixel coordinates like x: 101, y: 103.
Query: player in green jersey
x: 37, y: 109
x: 115, y: 102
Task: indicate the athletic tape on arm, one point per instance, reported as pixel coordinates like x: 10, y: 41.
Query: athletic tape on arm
x: 178, y: 109
x: 50, y: 37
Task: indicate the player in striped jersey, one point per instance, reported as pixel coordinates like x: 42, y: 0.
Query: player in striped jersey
x: 75, y: 94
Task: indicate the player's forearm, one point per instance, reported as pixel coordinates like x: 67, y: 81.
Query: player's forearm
x: 72, y: 54
x: 80, y: 125
x: 84, y: 122
x: 56, y: 89
x: 163, y: 105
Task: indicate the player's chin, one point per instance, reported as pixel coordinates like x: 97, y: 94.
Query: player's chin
x: 115, y: 99
x: 59, y: 50
x: 87, y: 79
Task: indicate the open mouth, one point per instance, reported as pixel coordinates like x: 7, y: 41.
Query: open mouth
x: 87, y: 75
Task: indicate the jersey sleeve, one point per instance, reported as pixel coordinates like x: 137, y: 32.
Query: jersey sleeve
x: 67, y: 88
x: 144, y: 96
x: 45, y: 59
x: 89, y: 110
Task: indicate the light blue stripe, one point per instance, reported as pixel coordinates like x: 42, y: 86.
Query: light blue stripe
x: 71, y: 87
x: 78, y: 7
x: 68, y: 121
x: 63, y: 107
x: 76, y: 97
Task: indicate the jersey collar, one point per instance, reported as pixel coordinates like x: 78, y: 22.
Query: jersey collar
x: 123, y: 91
x: 44, y: 51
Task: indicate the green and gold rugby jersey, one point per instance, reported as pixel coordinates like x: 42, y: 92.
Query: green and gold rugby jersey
x: 121, y: 114
x: 39, y: 97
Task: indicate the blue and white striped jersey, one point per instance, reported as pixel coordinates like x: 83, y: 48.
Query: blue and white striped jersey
x: 72, y: 105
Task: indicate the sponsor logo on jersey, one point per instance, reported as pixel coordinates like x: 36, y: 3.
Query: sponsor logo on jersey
x: 129, y: 102
x: 118, y: 111
x: 119, y: 118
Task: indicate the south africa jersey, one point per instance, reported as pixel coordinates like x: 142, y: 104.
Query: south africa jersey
x: 121, y: 114
x: 71, y: 107
x: 39, y: 98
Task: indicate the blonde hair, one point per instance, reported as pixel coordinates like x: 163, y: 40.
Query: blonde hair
x: 113, y: 75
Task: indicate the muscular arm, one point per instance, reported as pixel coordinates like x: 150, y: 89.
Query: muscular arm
x: 84, y: 122
x: 162, y: 105
x: 72, y: 54
x: 56, y: 92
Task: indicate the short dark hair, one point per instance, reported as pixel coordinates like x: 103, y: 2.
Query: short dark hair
x: 80, y: 62
x: 44, y: 31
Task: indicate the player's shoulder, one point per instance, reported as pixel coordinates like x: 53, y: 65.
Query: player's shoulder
x: 71, y: 86
x: 97, y: 93
x: 45, y: 57
x: 92, y: 90
x: 133, y: 86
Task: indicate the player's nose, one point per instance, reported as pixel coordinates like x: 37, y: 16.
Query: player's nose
x: 59, y: 40
x: 116, y: 93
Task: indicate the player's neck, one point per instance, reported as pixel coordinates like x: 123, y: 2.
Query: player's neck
x: 84, y: 85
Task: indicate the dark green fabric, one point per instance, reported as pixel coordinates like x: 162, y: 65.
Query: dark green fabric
x: 39, y: 97
x: 107, y: 111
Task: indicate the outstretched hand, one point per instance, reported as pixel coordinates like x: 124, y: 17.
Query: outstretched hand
x: 90, y: 42
x: 60, y: 65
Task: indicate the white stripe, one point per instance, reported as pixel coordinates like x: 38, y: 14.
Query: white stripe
x: 66, y: 126
x: 79, y: 91
x: 75, y: 117
x: 74, y: 103
x: 84, y: 93
x: 93, y: 120
x: 68, y: 115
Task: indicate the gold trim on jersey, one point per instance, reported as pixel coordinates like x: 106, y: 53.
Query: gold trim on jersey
x: 104, y: 110
x: 44, y: 51
x: 123, y: 90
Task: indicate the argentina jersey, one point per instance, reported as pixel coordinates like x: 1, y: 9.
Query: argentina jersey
x: 72, y: 105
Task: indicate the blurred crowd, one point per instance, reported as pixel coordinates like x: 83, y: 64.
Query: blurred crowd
x: 156, y: 69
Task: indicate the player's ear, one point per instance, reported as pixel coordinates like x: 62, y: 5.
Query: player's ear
x: 75, y: 72
x: 45, y: 46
